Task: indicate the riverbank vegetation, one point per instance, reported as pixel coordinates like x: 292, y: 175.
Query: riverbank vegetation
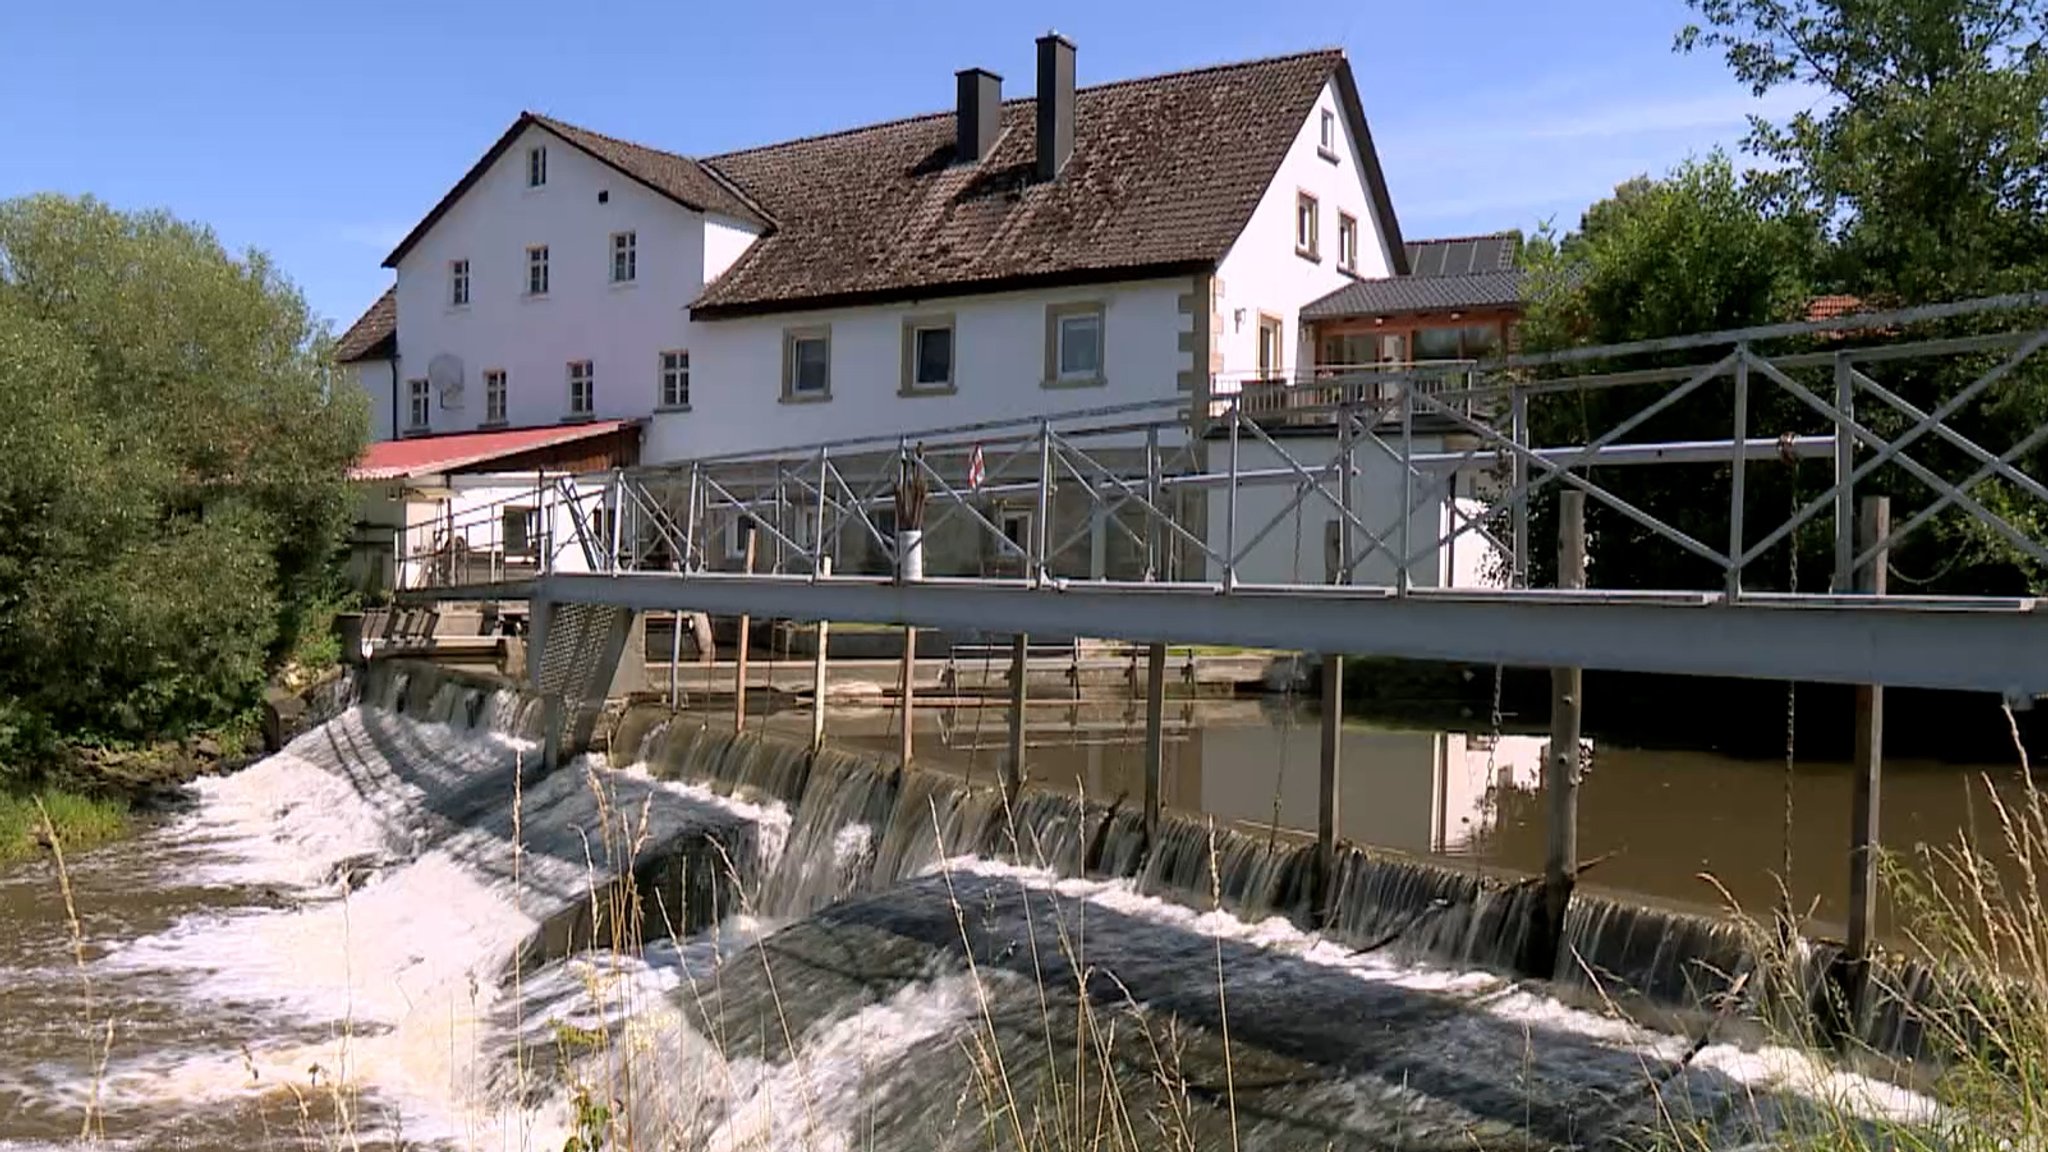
x: 1918, y: 173
x: 172, y: 477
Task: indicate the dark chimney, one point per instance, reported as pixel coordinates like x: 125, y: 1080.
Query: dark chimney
x: 1055, y: 104
x: 980, y: 115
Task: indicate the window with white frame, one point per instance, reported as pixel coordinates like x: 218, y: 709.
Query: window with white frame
x: 520, y: 529
x: 494, y: 396
x: 582, y: 388
x: 807, y: 364
x: 928, y: 354
x: 536, y: 166
x: 1074, y: 344
x: 738, y: 526
x: 458, y: 283
x: 419, y: 404
x: 675, y: 379
x: 537, y: 270
x: 1307, y: 231
x: 1347, y: 242
x: 1327, y: 141
x: 1016, y: 526
x: 625, y: 257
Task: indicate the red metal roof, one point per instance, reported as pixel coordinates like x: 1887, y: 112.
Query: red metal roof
x: 426, y: 455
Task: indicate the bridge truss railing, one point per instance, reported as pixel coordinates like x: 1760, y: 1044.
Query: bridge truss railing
x: 1404, y: 463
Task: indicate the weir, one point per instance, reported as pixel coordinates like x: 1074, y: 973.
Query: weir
x: 741, y: 941
x: 861, y: 824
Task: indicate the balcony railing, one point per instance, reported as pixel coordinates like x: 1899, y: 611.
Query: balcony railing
x: 1314, y: 396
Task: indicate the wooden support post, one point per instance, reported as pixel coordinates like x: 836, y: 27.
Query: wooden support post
x: 1561, y: 769
x: 1013, y: 766
x: 739, y: 676
x: 1874, y: 524
x: 908, y: 746
x: 818, y: 670
x: 1327, y: 792
x: 1155, y: 736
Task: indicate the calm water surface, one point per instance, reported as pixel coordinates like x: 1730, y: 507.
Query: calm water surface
x: 1666, y: 827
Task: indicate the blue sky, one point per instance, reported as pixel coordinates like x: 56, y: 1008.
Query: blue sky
x: 321, y: 132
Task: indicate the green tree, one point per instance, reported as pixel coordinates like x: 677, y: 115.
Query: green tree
x: 1926, y: 152
x: 1927, y: 147
x: 172, y: 473
x: 1693, y: 252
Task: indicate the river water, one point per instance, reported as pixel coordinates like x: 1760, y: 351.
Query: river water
x: 398, y: 934
x: 1690, y: 830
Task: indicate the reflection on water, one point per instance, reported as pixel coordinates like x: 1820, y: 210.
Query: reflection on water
x: 1659, y: 823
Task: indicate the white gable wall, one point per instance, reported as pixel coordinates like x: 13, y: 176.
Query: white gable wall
x: 1262, y: 272
x: 725, y: 241
x: 374, y: 378
x: 999, y: 340
x: 622, y: 329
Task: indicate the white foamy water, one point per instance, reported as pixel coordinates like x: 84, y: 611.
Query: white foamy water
x: 385, y: 871
x: 392, y: 901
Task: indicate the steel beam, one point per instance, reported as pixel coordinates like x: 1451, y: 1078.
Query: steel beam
x: 1985, y: 645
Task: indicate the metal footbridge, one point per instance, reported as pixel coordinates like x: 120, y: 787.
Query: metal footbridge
x: 1162, y: 521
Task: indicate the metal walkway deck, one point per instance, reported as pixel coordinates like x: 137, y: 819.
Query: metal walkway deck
x: 1137, y: 523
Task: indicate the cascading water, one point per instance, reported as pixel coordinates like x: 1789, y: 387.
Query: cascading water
x: 738, y: 943
x: 370, y: 888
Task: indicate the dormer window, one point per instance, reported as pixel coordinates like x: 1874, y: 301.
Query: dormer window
x: 537, y: 166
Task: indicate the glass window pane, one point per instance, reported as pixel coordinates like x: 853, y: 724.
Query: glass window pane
x: 1481, y: 341
x: 810, y: 359
x: 1436, y: 344
x: 934, y: 356
x: 1080, y: 345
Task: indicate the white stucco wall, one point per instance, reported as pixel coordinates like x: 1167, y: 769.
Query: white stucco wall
x: 1293, y: 551
x: 1262, y: 273
x: 999, y: 369
x: 374, y: 378
x: 725, y: 241
x: 622, y: 328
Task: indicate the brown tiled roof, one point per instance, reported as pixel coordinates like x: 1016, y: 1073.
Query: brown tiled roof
x: 1449, y: 274
x: 1397, y: 294
x: 374, y: 335
x: 1831, y: 307
x: 678, y: 178
x: 1164, y: 175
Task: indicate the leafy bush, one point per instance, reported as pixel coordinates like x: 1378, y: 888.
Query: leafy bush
x: 172, y: 473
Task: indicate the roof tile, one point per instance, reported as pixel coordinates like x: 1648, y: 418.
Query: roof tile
x: 1165, y: 173
x: 374, y: 335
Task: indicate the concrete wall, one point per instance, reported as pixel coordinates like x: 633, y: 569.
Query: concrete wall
x: 621, y: 328
x: 1262, y: 272
x: 737, y: 402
